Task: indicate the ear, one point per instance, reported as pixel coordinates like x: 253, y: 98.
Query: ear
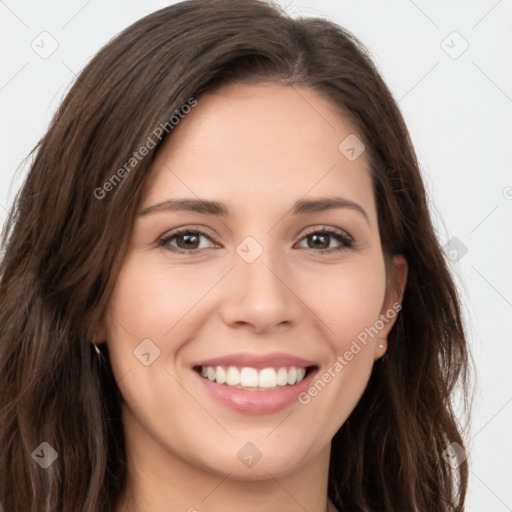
x: 392, y: 304
x: 100, y: 332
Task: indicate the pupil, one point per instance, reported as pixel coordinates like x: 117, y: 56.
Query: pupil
x: 187, y: 239
x: 318, y: 240
x: 323, y: 238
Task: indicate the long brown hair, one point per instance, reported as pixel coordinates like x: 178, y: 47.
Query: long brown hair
x: 64, y: 242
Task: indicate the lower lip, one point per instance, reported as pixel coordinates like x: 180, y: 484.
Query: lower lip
x: 256, y: 402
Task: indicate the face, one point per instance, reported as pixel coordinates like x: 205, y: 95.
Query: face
x: 242, y: 335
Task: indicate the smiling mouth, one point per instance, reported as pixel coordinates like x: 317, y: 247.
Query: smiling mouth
x: 255, y: 379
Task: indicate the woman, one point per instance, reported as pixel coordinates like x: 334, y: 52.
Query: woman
x: 221, y: 287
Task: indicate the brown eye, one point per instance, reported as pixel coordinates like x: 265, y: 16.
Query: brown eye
x: 185, y: 240
x: 322, y: 238
x: 188, y: 241
x: 319, y: 241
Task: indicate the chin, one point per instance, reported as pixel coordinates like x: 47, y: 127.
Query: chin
x: 255, y: 460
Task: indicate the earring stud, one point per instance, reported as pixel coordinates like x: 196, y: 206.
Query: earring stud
x: 381, y: 345
x: 98, y: 352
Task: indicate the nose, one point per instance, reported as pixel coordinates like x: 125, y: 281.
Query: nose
x: 260, y: 295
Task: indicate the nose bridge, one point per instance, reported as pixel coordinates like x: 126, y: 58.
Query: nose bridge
x: 256, y: 267
x: 259, y: 292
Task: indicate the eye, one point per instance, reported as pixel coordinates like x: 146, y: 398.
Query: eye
x: 188, y: 240
x: 321, y: 238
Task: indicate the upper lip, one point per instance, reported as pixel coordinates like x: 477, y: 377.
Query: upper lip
x: 276, y: 360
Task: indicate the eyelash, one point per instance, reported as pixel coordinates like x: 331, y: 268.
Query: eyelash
x: 345, y: 240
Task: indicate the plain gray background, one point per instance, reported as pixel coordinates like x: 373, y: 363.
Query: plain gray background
x: 448, y: 66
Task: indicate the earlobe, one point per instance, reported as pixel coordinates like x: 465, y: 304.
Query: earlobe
x: 398, y: 279
x: 392, y: 302
x: 100, y: 333
x: 396, y: 282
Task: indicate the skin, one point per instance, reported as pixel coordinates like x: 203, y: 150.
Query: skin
x: 258, y: 149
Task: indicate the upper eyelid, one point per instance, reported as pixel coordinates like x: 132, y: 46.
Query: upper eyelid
x: 184, y: 229
x: 205, y: 232
x: 320, y: 227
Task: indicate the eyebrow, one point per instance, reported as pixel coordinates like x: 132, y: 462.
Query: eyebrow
x: 217, y: 208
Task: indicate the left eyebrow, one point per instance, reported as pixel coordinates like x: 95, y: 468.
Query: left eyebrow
x: 302, y: 206
x: 327, y: 203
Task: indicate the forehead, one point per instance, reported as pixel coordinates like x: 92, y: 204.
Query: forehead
x: 266, y: 143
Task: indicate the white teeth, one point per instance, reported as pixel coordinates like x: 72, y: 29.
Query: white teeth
x: 247, y: 377
x: 282, y: 377
x: 232, y: 376
x: 267, y: 378
x: 220, y: 375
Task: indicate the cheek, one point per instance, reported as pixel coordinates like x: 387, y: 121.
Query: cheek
x: 347, y: 299
x: 149, y: 300
x: 155, y: 301
x: 348, y: 302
